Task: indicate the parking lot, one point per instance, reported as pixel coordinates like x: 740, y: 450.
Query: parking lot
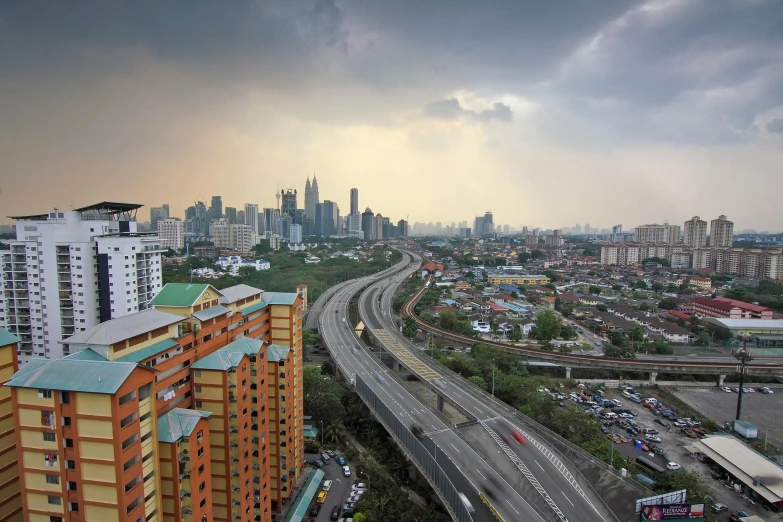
x: 762, y: 410
x: 338, y: 493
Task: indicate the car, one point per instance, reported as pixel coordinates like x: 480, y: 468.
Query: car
x: 727, y: 390
x: 653, y: 438
x: 331, y: 453
x: 321, y: 498
x: 604, y: 429
x: 359, y: 485
x: 335, y: 513
x: 348, y: 509
x: 326, y: 458
x: 317, y: 463
x: 340, y: 460
x: 680, y: 423
x: 354, y: 498
x: 632, y: 431
x: 735, y: 517
x: 518, y: 436
x: 315, y: 510
x: 380, y: 378
x: 650, y: 431
x: 346, y: 471
x: 625, y: 415
x: 672, y: 466
x: 719, y: 508
x: 327, y: 485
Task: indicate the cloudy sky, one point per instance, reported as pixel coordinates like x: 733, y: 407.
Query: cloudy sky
x: 548, y: 113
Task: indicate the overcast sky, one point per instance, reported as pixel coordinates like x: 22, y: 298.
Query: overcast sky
x: 547, y: 113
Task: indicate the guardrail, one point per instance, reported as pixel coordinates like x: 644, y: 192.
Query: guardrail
x: 416, y: 451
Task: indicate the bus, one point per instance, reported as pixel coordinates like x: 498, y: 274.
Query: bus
x: 648, y: 464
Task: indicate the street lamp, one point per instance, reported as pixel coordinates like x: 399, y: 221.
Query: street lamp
x: 493, y: 377
x: 322, y: 434
x: 744, y: 357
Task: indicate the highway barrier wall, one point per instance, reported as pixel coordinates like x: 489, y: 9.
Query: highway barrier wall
x: 423, y: 459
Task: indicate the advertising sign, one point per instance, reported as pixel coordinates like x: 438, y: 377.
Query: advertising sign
x: 673, y: 512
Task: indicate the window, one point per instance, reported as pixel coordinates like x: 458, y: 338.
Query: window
x: 49, y: 437
x: 52, y: 479
x: 66, y: 421
x: 44, y: 394
x: 198, y: 404
x: 202, y: 486
x: 203, y: 502
x: 197, y: 374
x: 55, y: 519
x: 200, y: 451
x: 201, y: 469
x: 55, y: 500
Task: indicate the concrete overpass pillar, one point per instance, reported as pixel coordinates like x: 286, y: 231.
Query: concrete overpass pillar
x: 568, y: 372
x: 440, y: 403
x: 721, y: 378
x: 653, y: 375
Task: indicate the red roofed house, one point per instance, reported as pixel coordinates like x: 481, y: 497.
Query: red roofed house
x: 729, y: 308
x: 432, y: 268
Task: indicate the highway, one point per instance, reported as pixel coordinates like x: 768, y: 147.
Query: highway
x: 555, y: 481
x: 468, y: 471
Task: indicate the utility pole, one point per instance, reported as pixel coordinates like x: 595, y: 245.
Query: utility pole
x: 493, y: 377
x: 744, y: 357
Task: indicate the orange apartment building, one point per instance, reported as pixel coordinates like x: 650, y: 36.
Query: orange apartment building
x: 10, y: 495
x: 169, y: 348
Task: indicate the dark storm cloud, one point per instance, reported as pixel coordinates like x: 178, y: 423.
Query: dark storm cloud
x: 775, y: 126
x: 451, y: 109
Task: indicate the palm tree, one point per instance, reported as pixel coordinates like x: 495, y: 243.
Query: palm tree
x: 334, y: 432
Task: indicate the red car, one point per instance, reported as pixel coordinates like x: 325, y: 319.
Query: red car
x: 519, y: 437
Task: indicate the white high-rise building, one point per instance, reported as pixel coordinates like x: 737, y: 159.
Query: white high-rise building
x: 242, y: 238
x: 666, y: 234
x: 295, y: 234
x: 695, y: 232
x: 251, y: 217
x: 354, y: 224
x: 721, y: 232
x: 67, y: 271
x: 171, y: 233
x: 377, y: 229
x: 220, y: 232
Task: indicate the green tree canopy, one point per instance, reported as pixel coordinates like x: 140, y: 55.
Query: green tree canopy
x: 548, y: 326
x: 595, y: 290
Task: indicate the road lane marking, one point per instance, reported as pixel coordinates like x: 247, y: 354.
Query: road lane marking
x: 539, y: 465
x: 512, y: 507
x: 480, y: 473
x: 568, y: 499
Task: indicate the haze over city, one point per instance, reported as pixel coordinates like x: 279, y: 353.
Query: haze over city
x: 547, y: 114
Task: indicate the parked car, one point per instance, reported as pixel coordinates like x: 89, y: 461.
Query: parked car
x: 727, y: 390
x: 719, y: 508
x: 632, y: 431
x: 672, y: 466
x: 735, y: 517
x: 335, y: 513
x: 321, y: 498
x: 346, y: 471
x: 327, y: 485
x: 360, y: 485
x: 315, y: 510
x: 340, y: 460
x: 326, y: 458
x: 653, y: 438
x: 317, y: 463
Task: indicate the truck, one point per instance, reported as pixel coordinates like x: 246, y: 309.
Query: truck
x: 746, y: 429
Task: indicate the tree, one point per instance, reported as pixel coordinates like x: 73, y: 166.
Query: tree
x: 409, y: 327
x: 601, y: 307
x: 636, y: 335
x: 617, y: 338
x: 661, y: 347
x: 524, y: 257
x: 478, y: 381
x: 617, y: 288
x: 595, y: 290
x: 667, y: 304
x: 514, y: 335
x: 548, y: 326
x: 552, y: 275
x: 568, y: 333
x: 735, y: 293
x: 309, y: 338
x: 537, y: 254
x: 447, y: 320
x: 641, y: 285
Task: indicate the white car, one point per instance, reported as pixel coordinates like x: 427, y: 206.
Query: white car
x: 672, y: 466
x: 726, y: 389
x: 346, y: 471
x: 360, y: 485
x: 327, y: 485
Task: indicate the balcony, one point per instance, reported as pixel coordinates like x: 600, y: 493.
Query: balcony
x: 66, y: 303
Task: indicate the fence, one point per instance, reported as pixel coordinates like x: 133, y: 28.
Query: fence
x: 416, y: 451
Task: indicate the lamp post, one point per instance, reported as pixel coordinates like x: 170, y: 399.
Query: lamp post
x: 744, y: 357
x: 493, y: 377
x: 322, y: 434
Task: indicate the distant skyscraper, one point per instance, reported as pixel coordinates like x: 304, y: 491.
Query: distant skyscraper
x: 377, y: 227
x: 216, y: 210
x: 288, y: 207
x: 240, y: 216
x: 311, y: 198
x: 354, y: 201
x: 587, y: 228
x: 295, y: 234
x: 695, y: 232
x: 251, y: 217
x: 156, y: 214
x: 721, y: 232
x: 270, y: 220
x: 231, y: 214
x: 368, y: 219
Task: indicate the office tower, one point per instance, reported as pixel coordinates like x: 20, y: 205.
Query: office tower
x: 402, y: 228
x: 261, y: 224
x: 378, y: 227
x: 368, y: 219
x: 216, y: 210
x: 665, y: 234
x: 241, y: 217
x: 588, y: 230
x: 354, y: 224
x: 231, y: 214
x: 354, y: 201
x: 10, y: 495
x: 721, y: 232
x: 295, y: 234
x: 220, y: 436
x: 695, y: 232
x: 158, y: 213
x: 166, y: 210
x: 251, y: 217
x: 311, y: 198
x: 327, y: 215
x: 506, y: 230
x: 478, y: 225
x: 202, y: 218
x: 70, y: 270
x: 288, y: 207
x: 270, y: 219
x: 220, y: 233
x: 171, y: 233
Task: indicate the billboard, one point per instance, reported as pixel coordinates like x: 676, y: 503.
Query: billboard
x: 673, y: 512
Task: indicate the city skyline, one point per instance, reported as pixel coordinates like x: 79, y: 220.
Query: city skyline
x: 626, y: 109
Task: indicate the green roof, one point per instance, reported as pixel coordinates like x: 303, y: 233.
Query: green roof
x: 73, y: 375
x: 279, y: 298
x: 179, y: 294
x: 301, y: 504
x: 277, y: 353
x: 178, y: 423
x: 88, y: 354
x: 253, y: 308
x: 219, y: 360
x: 310, y: 432
x: 246, y: 345
x: 149, y: 351
x: 211, y: 313
x: 7, y: 337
